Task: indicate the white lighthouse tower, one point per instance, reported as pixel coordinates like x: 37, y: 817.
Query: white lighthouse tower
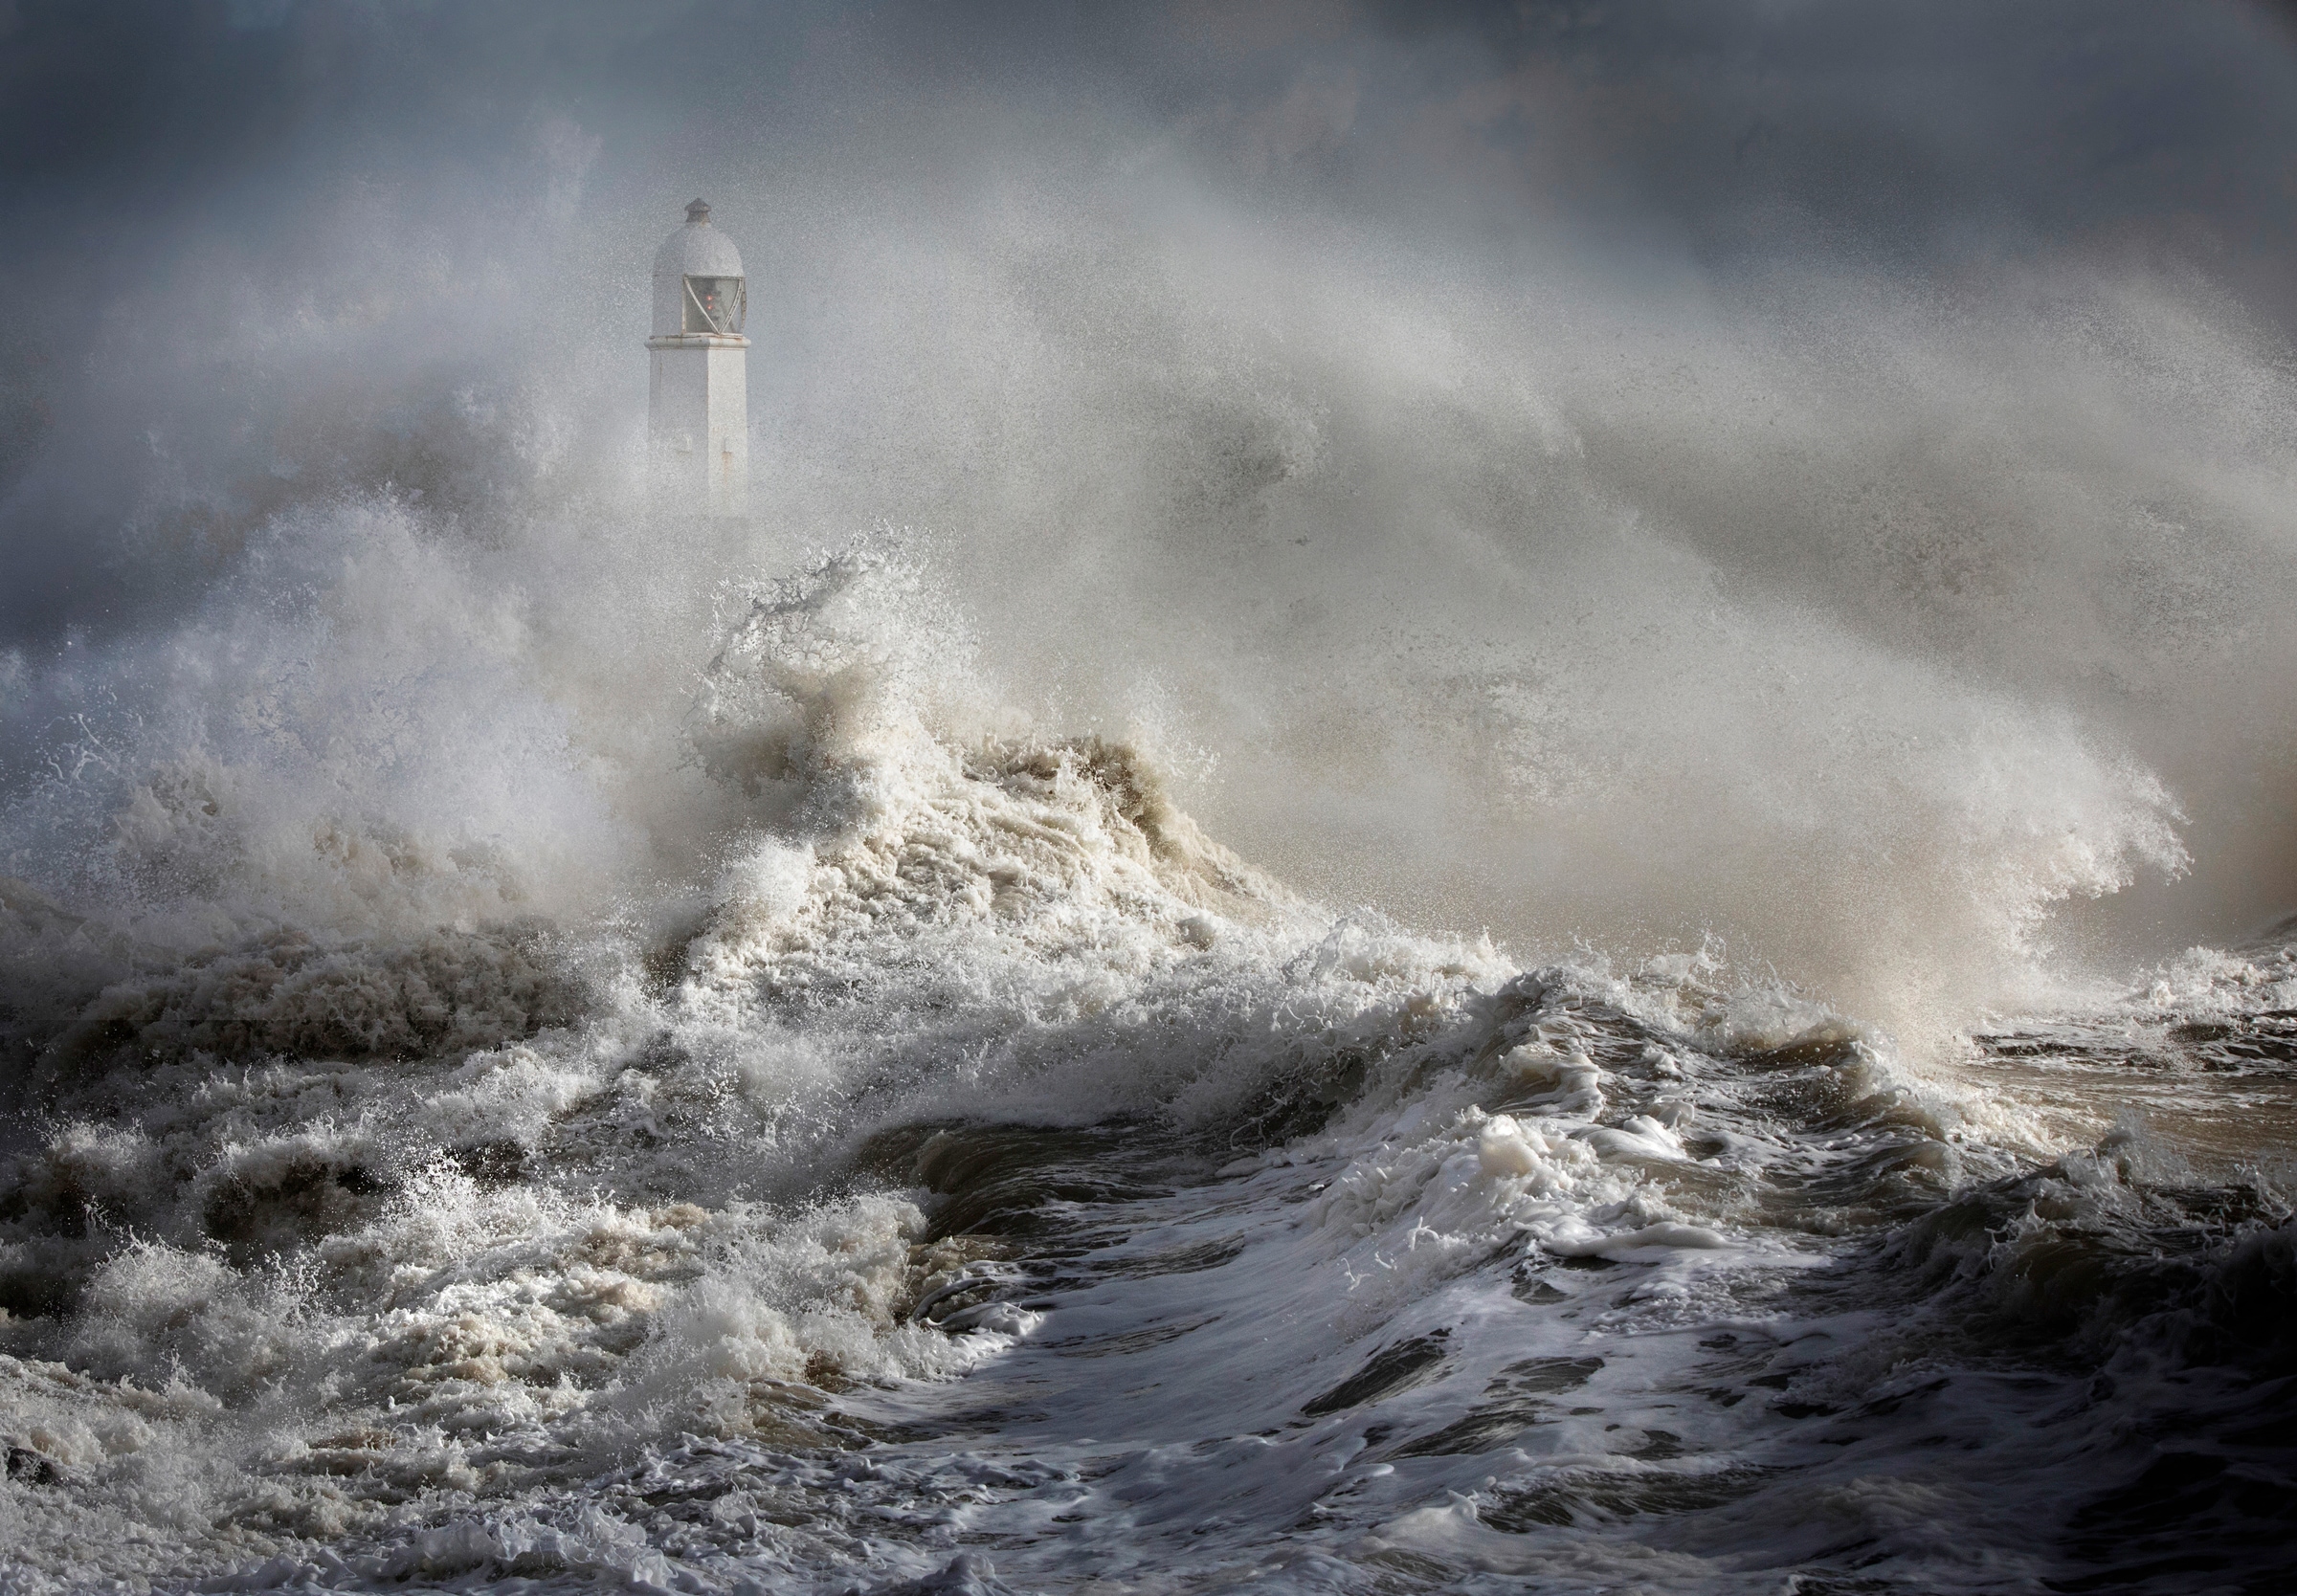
x: 698, y: 404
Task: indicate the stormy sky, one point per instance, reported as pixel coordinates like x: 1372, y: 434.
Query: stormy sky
x: 1920, y: 128
x: 1914, y: 127
x: 158, y: 156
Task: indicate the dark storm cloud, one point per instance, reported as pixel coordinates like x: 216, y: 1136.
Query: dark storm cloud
x: 1746, y: 127
x: 2047, y: 116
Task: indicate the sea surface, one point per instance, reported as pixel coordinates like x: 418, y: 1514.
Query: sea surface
x: 958, y: 1172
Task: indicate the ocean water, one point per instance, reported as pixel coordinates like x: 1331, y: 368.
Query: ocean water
x: 490, y: 1110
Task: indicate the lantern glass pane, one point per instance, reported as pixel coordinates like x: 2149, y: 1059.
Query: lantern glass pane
x: 714, y: 305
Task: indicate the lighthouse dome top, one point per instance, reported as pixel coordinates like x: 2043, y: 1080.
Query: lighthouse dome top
x: 699, y: 289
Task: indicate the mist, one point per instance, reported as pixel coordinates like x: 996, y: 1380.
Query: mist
x: 1774, y: 475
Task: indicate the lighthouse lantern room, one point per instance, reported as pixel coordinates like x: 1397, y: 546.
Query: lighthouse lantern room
x: 698, y: 404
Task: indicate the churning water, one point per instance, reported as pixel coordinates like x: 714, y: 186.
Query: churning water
x: 548, y: 1049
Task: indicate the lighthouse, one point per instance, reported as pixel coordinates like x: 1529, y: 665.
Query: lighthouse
x: 699, y: 402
